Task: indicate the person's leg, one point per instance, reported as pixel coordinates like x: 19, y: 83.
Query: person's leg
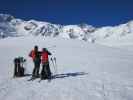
x: 34, y: 70
x: 48, y: 71
x: 38, y: 69
x: 43, y: 72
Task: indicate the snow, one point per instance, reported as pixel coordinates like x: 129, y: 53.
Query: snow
x: 108, y: 35
x: 118, y: 35
x: 86, y: 71
x: 99, y: 69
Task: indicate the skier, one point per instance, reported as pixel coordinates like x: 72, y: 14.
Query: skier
x: 36, y: 57
x: 45, y: 73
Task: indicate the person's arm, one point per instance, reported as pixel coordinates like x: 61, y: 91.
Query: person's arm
x: 49, y: 53
x: 30, y: 54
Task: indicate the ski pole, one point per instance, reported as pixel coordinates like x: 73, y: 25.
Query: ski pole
x: 55, y: 65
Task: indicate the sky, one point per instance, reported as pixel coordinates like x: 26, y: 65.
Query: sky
x: 93, y: 12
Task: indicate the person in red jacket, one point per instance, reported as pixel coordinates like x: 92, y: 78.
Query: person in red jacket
x: 45, y: 73
x: 36, y: 57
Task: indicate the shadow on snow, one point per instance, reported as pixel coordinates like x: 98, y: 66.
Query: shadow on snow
x: 64, y: 75
x: 75, y: 74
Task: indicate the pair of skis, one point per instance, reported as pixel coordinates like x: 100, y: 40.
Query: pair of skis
x: 34, y: 78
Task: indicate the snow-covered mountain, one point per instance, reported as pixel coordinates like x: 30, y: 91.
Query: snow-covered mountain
x: 33, y: 27
x: 6, y: 28
x: 117, y: 35
x: 11, y: 26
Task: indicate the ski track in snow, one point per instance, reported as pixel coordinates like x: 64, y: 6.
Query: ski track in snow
x: 107, y: 71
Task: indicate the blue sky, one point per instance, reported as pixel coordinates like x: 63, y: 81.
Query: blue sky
x: 94, y: 12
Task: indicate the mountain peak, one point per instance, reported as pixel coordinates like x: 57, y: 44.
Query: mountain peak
x: 6, y: 17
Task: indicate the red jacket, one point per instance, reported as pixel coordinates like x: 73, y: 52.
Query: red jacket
x: 32, y: 54
x: 44, y: 56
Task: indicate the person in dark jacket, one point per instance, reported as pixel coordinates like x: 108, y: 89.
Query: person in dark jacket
x: 45, y: 73
x: 36, y: 57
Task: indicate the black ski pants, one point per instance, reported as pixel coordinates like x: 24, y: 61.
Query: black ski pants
x: 45, y: 73
x: 36, y: 69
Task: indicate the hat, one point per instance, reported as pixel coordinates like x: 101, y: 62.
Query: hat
x: 35, y: 47
x: 44, y: 49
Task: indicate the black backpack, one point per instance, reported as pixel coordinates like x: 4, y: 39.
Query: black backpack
x: 18, y: 66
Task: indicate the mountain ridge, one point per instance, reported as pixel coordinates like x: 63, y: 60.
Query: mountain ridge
x: 12, y: 27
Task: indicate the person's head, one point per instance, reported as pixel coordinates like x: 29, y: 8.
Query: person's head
x: 36, y: 48
x: 44, y: 49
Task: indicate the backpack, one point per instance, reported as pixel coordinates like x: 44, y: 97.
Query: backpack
x: 18, y: 66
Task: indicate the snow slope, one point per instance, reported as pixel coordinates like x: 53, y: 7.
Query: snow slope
x: 109, y: 35
x: 118, y: 35
x: 85, y: 71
